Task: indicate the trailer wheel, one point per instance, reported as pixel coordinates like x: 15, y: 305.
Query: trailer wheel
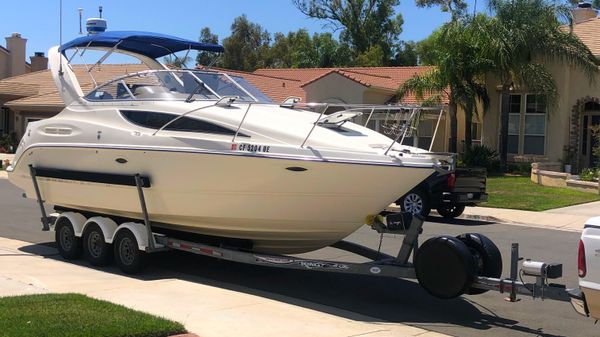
x: 415, y: 202
x: 128, y: 256
x: 445, y: 267
x: 487, y: 257
x: 451, y: 211
x: 95, y: 248
x: 68, y: 245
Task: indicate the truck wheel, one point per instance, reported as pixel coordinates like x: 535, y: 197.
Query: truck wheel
x: 487, y: 257
x: 451, y: 211
x: 69, y: 245
x: 445, y: 267
x: 95, y: 248
x: 416, y: 202
x: 128, y: 257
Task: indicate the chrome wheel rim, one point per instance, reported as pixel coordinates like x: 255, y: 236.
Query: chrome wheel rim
x: 413, y: 203
x: 95, y: 244
x: 66, y: 238
x: 126, y: 251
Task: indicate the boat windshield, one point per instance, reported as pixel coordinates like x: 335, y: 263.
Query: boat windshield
x: 177, y: 85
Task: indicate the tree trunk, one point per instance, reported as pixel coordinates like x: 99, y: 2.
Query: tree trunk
x: 468, y: 126
x: 452, y: 107
x: 504, y: 125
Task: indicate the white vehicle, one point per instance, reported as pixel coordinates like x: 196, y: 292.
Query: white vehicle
x: 586, y: 299
x: 215, y: 156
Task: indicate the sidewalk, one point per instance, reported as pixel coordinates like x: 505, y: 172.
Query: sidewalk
x: 569, y: 219
x: 204, y: 310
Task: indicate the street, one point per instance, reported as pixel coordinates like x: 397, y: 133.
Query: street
x: 383, y: 300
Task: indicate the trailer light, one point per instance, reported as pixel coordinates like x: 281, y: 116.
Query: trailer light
x: 451, y: 180
x: 581, y: 266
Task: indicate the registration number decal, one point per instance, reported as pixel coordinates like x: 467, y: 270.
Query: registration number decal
x: 251, y: 148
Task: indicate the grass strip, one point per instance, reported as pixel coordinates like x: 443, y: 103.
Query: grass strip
x: 74, y: 315
x: 521, y: 193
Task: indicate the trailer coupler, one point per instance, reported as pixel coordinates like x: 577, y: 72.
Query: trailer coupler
x: 541, y: 289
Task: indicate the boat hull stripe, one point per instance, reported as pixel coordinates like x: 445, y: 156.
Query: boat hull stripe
x: 93, y: 177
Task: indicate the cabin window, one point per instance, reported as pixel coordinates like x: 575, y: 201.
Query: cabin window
x: 156, y: 120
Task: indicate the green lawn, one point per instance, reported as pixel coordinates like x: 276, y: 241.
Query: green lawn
x: 521, y: 193
x: 73, y: 315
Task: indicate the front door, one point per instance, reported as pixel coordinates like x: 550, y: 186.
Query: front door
x: 588, y: 141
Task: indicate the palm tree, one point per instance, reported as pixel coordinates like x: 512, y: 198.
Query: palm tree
x: 457, y: 76
x: 523, y: 38
x: 176, y: 62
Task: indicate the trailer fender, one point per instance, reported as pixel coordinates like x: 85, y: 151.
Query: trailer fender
x: 138, y: 230
x: 107, y: 225
x: 76, y: 219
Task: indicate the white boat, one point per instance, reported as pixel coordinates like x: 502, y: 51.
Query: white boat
x: 217, y: 156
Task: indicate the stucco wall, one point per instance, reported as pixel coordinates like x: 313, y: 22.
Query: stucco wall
x: 335, y: 86
x: 572, y: 85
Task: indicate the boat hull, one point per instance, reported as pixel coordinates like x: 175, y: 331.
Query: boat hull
x: 282, y: 205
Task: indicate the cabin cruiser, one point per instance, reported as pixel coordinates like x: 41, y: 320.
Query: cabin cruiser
x: 218, y: 157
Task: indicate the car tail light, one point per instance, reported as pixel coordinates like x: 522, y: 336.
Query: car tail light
x: 581, y: 267
x: 451, y: 180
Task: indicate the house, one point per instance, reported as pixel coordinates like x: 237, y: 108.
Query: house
x: 13, y: 63
x: 557, y: 134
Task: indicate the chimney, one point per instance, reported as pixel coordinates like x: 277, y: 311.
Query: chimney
x: 583, y: 12
x: 16, y: 62
x: 38, y: 61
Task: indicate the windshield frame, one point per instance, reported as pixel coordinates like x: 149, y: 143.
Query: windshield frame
x: 244, y: 95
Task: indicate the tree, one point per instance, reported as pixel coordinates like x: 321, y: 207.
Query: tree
x: 173, y: 61
x: 205, y: 58
x: 406, y: 54
x: 456, y: 8
x: 456, y: 77
x: 364, y: 24
x: 248, y: 46
x: 523, y: 38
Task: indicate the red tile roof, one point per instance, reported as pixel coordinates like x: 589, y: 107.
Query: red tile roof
x: 385, y: 78
x: 588, y: 32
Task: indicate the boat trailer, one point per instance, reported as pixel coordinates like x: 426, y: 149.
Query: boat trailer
x: 445, y: 253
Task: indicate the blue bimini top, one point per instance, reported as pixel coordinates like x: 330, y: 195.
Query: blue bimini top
x: 153, y: 45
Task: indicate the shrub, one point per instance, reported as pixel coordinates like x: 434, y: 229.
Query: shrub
x: 482, y: 156
x: 8, y: 143
x: 519, y: 168
x: 589, y: 174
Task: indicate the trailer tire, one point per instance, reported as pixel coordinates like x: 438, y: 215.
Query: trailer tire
x: 487, y: 256
x: 95, y: 249
x: 69, y: 246
x: 445, y: 267
x: 128, y: 257
x: 451, y: 211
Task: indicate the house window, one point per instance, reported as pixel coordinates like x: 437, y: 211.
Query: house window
x: 527, y: 124
x: 534, y: 132
x: 476, y: 133
x: 4, y: 121
x: 514, y: 123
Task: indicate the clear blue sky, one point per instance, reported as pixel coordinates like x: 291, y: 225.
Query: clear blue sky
x: 37, y: 20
